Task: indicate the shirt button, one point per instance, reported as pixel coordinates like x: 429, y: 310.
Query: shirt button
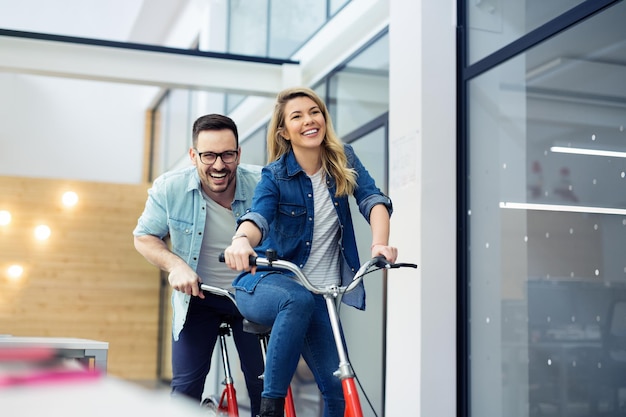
x: 310, y: 195
x: 308, y: 243
x: 336, y: 203
x: 310, y: 219
x: 237, y: 214
x: 186, y: 230
x: 199, y: 233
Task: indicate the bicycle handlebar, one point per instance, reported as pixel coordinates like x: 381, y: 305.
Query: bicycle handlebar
x: 218, y: 291
x: 271, y: 259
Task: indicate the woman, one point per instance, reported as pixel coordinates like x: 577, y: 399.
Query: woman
x: 300, y: 209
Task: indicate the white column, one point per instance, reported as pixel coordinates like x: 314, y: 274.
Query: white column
x: 421, y: 327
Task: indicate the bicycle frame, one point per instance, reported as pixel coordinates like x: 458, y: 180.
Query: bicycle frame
x: 227, y: 404
x: 345, y: 372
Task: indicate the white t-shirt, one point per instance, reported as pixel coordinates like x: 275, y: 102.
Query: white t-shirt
x: 218, y: 231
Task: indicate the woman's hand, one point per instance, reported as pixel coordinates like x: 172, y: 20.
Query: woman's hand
x: 237, y: 255
x: 389, y: 252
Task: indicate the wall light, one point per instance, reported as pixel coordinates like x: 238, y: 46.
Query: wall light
x: 70, y: 199
x: 5, y: 217
x: 42, y: 232
x: 14, y: 272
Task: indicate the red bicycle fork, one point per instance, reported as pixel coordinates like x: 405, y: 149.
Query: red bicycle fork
x: 345, y: 371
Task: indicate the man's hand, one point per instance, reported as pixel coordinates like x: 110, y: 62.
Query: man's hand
x: 182, y: 278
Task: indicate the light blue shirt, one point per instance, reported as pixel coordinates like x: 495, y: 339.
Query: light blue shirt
x: 175, y: 207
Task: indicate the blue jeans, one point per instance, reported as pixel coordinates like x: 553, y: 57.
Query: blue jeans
x: 192, y: 352
x: 300, y: 326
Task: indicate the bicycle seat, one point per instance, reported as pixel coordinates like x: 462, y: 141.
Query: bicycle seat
x: 255, y: 328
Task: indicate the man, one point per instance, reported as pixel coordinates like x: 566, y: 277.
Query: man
x: 197, y: 207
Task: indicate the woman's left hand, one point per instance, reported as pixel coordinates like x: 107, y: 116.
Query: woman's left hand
x: 389, y: 252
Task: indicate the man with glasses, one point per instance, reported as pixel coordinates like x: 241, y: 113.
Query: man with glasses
x: 196, y: 208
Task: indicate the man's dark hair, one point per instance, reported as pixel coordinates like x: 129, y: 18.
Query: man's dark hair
x: 214, y: 122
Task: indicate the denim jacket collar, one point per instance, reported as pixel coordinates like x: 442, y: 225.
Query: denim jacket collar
x: 293, y: 167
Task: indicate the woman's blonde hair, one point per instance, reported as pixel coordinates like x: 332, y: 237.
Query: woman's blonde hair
x: 334, y: 161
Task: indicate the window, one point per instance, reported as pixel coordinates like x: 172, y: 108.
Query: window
x: 495, y: 23
x: 546, y: 221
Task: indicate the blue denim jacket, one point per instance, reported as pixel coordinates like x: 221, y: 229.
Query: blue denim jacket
x: 283, y: 210
x: 175, y: 207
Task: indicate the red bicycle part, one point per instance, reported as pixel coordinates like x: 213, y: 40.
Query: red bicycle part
x: 350, y: 393
x: 290, y: 409
x: 231, y: 401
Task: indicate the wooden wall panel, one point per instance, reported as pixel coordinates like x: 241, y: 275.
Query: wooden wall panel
x: 86, y: 280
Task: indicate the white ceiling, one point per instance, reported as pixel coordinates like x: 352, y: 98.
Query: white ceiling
x: 140, y: 21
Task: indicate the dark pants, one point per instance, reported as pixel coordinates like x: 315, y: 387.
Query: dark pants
x: 192, y: 352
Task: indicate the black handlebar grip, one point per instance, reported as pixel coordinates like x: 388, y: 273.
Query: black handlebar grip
x: 251, y: 260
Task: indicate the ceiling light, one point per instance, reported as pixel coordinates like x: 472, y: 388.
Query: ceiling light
x: 583, y: 151
x: 561, y: 207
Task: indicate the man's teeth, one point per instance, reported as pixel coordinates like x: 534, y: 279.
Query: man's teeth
x: 218, y: 175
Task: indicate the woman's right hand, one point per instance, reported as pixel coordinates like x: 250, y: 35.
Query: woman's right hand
x: 237, y: 255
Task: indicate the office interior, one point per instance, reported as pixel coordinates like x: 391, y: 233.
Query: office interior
x: 496, y: 127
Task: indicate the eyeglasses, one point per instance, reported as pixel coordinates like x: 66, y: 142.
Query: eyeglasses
x: 209, y: 158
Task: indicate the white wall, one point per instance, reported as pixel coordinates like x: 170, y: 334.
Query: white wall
x: 421, y: 341
x: 71, y: 129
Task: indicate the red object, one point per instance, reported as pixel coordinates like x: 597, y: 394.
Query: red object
x: 231, y: 401
x: 27, y: 353
x: 290, y: 409
x: 353, y: 405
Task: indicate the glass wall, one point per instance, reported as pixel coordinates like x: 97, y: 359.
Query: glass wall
x: 546, y: 221
x: 171, y: 131
x: 254, y: 147
x: 276, y: 28
x: 248, y: 27
x: 352, y: 105
x: 495, y: 23
x: 263, y: 28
